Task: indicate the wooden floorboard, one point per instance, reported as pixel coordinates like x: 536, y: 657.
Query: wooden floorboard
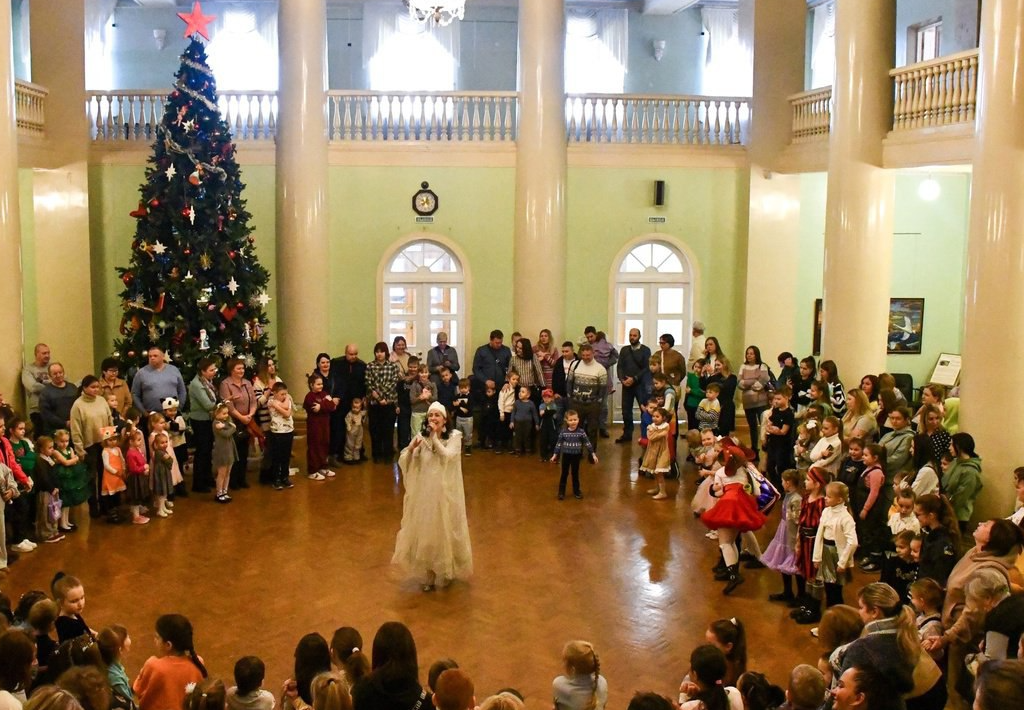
x: 618, y: 569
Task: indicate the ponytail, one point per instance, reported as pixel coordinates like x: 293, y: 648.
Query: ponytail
x: 592, y: 703
x: 707, y: 665
x: 879, y: 595
x: 176, y: 630
x: 941, y: 508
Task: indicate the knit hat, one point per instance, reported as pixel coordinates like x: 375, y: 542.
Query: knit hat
x: 439, y: 408
x: 548, y: 393
x: 169, y: 403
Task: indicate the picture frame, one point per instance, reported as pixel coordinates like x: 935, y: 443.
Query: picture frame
x: 816, y: 341
x: 906, y: 326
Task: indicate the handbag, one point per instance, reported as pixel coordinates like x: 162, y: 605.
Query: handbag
x: 54, y: 508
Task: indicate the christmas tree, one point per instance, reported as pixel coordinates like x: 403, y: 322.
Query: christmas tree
x: 193, y: 286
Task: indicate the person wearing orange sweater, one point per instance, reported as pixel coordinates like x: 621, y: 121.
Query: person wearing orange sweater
x: 162, y: 680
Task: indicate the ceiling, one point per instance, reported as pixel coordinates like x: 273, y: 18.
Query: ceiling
x: 647, y: 7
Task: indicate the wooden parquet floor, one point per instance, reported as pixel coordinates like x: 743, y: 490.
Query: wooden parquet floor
x: 627, y: 573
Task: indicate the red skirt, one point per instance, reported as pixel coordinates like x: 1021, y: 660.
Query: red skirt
x: 736, y: 509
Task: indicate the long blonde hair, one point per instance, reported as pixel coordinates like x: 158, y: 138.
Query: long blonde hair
x: 861, y: 406
x: 881, y: 596
x: 580, y: 658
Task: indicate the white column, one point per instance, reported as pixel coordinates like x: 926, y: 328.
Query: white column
x: 540, y: 242
x: 994, y: 292
x: 302, y: 226
x: 859, y: 206
x: 10, y: 220
x: 774, y: 205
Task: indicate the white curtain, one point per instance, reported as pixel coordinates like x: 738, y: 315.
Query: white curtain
x: 402, y: 54
x: 823, y: 44
x: 596, y: 50
x: 728, y: 67
x: 249, y: 31
x: 99, y: 72
x: 22, y: 40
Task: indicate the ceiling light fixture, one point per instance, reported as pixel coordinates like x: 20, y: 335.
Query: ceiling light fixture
x: 438, y: 12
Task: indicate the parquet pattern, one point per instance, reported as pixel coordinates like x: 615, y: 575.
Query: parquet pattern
x: 618, y: 569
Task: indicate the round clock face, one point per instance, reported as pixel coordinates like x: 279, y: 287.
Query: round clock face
x: 424, y: 202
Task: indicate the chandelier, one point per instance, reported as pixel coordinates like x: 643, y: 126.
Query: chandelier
x: 440, y: 12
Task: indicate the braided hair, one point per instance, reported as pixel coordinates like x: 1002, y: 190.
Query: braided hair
x: 176, y: 630
x: 580, y: 658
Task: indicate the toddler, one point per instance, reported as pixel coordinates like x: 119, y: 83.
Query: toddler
x: 656, y: 459
x: 490, y: 417
x: 47, y: 492
x: 355, y: 425
x: 224, y: 451
x: 462, y: 408
x: 138, y: 476
x: 41, y: 618
x: 114, y: 471
x: 131, y: 422
x: 926, y: 597
x: 281, y: 435
x: 160, y: 465
x: 421, y: 394
x: 570, y: 444
x: 506, y: 404
x: 550, y: 419
x: 710, y: 408
x: 446, y: 387
x: 115, y: 414
x: 318, y: 405
x: 158, y: 425
x: 247, y: 692
x: 706, y: 458
x: 903, y: 518
x: 899, y: 568
x: 525, y: 420
x: 582, y: 687
x: 807, y: 436
x: 72, y: 478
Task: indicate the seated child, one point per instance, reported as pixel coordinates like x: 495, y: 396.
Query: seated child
x: 247, y: 693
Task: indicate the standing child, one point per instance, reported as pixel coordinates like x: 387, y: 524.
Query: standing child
x: 224, y: 452
x: 807, y: 435
x: 69, y: 594
x: 114, y: 471
x: 525, y: 420
x: 811, y: 508
x: 926, y: 597
x: 405, y: 382
x: 160, y: 465
x: 281, y: 435
x: 827, y: 450
x: 899, y: 568
x: 131, y: 423
x: 694, y: 394
x: 835, y: 544
x: 138, y: 476
x: 462, y: 407
x: 506, y: 404
x: 852, y: 465
x: 47, y: 492
x: 421, y: 394
x: 706, y: 458
x: 781, y: 554
x: 779, y: 435
x: 582, y: 687
x: 158, y: 425
x: 550, y: 420
x: 570, y: 444
x: 72, y: 478
x: 23, y: 507
x: 490, y: 418
x: 656, y: 459
x: 446, y: 387
x: 903, y: 518
x: 710, y: 409
x: 162, y: 680
x: 872, y: 508
x: 318, y: 405
x: 176, y: 427
x: 355, y: 426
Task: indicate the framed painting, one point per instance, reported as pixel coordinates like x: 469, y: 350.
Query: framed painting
x: 906, y: 326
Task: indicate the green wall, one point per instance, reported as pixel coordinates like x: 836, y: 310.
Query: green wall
x: 928, y: 261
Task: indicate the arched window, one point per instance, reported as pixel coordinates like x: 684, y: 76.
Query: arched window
x: 654, y: 293
x: 424, y: 294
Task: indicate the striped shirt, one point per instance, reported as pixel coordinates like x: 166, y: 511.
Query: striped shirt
x: 572, y: 441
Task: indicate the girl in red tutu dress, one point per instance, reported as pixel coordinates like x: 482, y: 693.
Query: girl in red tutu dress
x: 735, y: 512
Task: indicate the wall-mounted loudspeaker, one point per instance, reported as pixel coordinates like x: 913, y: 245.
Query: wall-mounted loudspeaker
x: 659, y: 193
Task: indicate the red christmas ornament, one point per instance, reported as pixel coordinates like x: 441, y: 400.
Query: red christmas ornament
x: 187, y: 251
x: 154, y: 202
x: 232, y: 254
x: 184, y: 212
x: 239, y: 305
x: 128, y: 277
x: 140, y: 211
x: 131, y: 353
x: 228, y: 312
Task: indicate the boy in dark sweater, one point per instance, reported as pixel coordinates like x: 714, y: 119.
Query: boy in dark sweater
x: 525, y: 420
x: 571, y: 442
x: 463, y: 412
x: 852, y: 466
x: 550, y: 420
x: 779, y: 436
x: 490, y: 417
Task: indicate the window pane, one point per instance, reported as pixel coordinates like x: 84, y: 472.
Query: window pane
x: 402, y: 300
x: 631, y: 300
x: 670, y: 300
x: 405, y: 328
x: 443, y: 325
x: 626, y: 325
x: 444, y: 300
x: 671, y: 265
x: 673, y: 326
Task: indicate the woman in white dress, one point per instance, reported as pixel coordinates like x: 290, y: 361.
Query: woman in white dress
x: 433, y: 542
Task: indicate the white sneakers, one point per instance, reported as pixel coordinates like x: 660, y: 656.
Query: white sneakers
x: 293, y: 470
x: 634, y: 476
x: 25, y: 545
x: 317, y: 476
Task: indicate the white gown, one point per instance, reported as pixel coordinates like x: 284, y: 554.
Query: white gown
x: 435, y: 532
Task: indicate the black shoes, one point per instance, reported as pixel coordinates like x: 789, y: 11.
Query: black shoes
x: 624, y: 439
x: 781, y: 597
x: 754, y: 563
x: 734, y: 578
x: 806, y: 615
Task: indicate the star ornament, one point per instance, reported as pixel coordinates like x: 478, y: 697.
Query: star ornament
x: 232, y: 285
x: 196, y: 21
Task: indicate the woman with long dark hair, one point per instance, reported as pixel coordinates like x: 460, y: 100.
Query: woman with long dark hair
x: 393, y: 682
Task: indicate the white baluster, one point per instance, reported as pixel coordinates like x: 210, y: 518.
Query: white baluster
x: 972, y: 86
